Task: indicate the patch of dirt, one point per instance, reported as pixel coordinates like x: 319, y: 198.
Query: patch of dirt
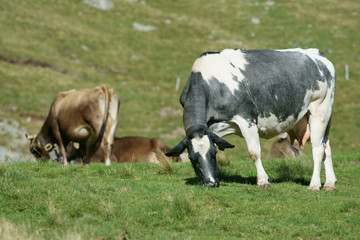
x: 35, y: 63
x: 29, y: 62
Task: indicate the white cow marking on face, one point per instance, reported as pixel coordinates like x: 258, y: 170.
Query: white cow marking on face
x: 201, y: 145
x: 224, y: 67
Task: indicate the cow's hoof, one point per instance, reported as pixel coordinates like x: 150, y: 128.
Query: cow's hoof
x: 329, y: 187
x: 314, y: 188
x: 264, y: 185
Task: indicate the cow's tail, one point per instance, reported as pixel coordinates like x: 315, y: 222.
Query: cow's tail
x: 95, y: 146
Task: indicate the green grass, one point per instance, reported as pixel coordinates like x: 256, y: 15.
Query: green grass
x: 51, y: 46
x: 48, y: 201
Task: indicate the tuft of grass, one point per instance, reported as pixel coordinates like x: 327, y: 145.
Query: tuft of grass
x: 182, y: 207
x: 298, y: 169
x: 53, y: 217
x: 222, y: 159
x: 127, y: 171
x: 163, y: 167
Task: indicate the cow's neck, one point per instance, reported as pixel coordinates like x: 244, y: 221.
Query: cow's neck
x: 46, y: 133
x: 193, y: 121
x: 195, y: 113
x: 195, y: 128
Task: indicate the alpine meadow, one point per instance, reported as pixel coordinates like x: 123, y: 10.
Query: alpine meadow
x: 144, y: 50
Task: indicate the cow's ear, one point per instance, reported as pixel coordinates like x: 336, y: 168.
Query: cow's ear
x: 178, y: 149
x: 222, y: 144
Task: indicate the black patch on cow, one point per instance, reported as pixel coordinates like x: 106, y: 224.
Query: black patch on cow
x: 206, y: 53
x: 327, y: 75
x: 321, y: 54
x: 223, y: 105
x: 277, y: 81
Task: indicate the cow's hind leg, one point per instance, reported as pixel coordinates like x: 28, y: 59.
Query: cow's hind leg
x: 317, y: 131
x: 319, y: 122
x: 251, y: 136
x: 329, y: 170
x: 111, y: 127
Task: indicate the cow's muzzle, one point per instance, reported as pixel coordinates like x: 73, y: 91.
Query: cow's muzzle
x: 214, y: 184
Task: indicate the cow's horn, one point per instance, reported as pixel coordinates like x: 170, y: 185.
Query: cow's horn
x: 30, y: 137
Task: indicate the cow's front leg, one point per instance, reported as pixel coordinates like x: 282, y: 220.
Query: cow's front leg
x: 57, y: 134
x: 250, y: 133
x: 262, y: 177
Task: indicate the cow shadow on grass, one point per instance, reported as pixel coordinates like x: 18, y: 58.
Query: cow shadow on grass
x: 280, y: 171
x: 226, y: 179
x: 250, y: 180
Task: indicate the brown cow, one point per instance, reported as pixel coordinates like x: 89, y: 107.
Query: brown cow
x: 130, y: 149
x: 87, y: 116
x: 283, y: 148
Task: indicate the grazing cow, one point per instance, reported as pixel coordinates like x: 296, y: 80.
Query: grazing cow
x: 87, y: 116
x: 282, y: 148
x: 258, y: 93
x: 130, y: 149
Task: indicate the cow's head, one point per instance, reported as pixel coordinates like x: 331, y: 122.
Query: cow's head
x: 200, y: 144
x: 36, y: 148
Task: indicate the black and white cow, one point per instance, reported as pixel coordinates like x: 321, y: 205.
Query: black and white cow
x: 258, y: 93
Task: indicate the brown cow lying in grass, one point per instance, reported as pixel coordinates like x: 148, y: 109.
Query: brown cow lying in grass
x: 130, y: 149
x: 282, y: 148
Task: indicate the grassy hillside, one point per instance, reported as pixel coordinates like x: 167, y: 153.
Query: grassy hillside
x: 51, y: 46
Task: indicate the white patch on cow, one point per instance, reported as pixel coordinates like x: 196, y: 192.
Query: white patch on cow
x: 211, y: 179
x: 82, y: 131
x: 102, y: 105
x: 224, y: 67
x: 222, y: 129
x: 107, y: 162
x: 236, y: 57
x: 270, y: 127
x: 201, y: 145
